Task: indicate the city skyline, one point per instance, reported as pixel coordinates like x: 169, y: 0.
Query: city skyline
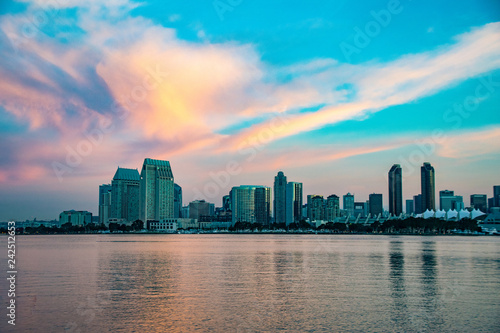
x: 330, y: 93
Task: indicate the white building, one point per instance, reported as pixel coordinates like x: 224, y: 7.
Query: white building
x: 75, y: 217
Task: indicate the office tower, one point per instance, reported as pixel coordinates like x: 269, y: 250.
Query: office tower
x: 376, y: 204
x: 251, y: 204
x: 479, y: 201
x: 451, y: 202
x: 226, y: 203
x: 104, y: 202
x: 279, y: 203
x: 496, y: 195
x: 349, y: 203
x: 427, y: 181
x: 396, y: 190
x: 417, y: 202
x: 442, y: 194
x: 332, y: 209
x: 315, y: 207
x: 361, y: 209
x: 293, y: 202
x: 177, y: 201
x: 125, y: 195
x: 157, y: 190
x: 409, y: 207
x: 199, y: 208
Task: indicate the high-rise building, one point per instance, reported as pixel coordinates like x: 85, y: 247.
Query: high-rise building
x: 496, y: 195
x: 409, y: 207
x: 293, y: 202
x: 361, y: 208
x: 332, y: 209
x: 376, y: 204
x: 199, y: 208
x: 125, y: 195
x: 177, y: 201
x: 315, y: 207
x: 157, y: 190
x: 417, y: 202
x: 428, y: 186
x: 226, y: 203
x: 80, y: 217
x: 279, y: 203
x: 442, y: 194
x: 396, y: 190
x: 348, y: 203
x: 251, y: 204
x: 451, y: 202
x: 479, y: 201
x: 104, y: 202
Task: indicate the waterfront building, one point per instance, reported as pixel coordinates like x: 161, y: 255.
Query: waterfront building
x: 157, y: 190
x: 409, y: 207
x: 125, y: 195
x: 104, y: 202
x: 251, y: 203
x: 332, y: 208
x: 200, y: 208
x: 361, y: 209
x: 315, y: 207
x: 452, y: 202
x: 177, y: 201
x: 293, y: 202
x: 428, y: 187
x: 396, y: 190
x: 75, y: 217
x: 496, y: 195
x: 279, y: 202
x: 442, y: 194
x: 348, y: 203
x: 479, y: 201
x: 417, y: 202
x: 376, y: 204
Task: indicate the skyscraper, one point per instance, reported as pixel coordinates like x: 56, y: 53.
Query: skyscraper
x: 200, y: 208
x: 428, y: 186
x: 125, y: 195
x: 442, y: 194
x: 251, y: 204
x: 279, y: 203
x: 332, y: 209
x: 451, y: 202
x: 376, y: 204
x: 479, y: 201
x: 315, y: 207
x: 349, y: 203
x: 395, y: 190
x: 417, y: 202
x: 177, y: 201
x: 104, y: 202
x: 293, y: 202
x: 157, y: 190
x: 496, y: 195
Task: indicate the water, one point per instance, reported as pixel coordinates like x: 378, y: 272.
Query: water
x: 253, y: 283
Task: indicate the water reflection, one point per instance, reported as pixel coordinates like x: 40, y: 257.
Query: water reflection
x: 397, y: 283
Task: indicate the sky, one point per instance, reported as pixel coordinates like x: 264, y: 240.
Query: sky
x: 333, y: 93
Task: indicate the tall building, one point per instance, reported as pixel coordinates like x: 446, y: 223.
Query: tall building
x: 125, y: 195
x: 332, y: 209
x: 417, y: 202
x: 80, y: 217
x: 104, y: 202
x: 293, y: 202
x: 199, y: 208
x: 496, y: 195
x: 177, y: 201
x: 376, y: 204
x: 361, y: 208
x: 409, y: 207
x: 428, y: 186
x: 396, y: 190
x: 157, y: 190
x: 315, y: 207
x: 348, y: 203
x: 226, y: 203
x: 251, y: 204
x: 279, y: 203
x: 451, y: 202
x: 442, y: 194
x: 479, y: 201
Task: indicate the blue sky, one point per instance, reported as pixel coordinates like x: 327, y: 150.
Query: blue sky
x: 332, y: 93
